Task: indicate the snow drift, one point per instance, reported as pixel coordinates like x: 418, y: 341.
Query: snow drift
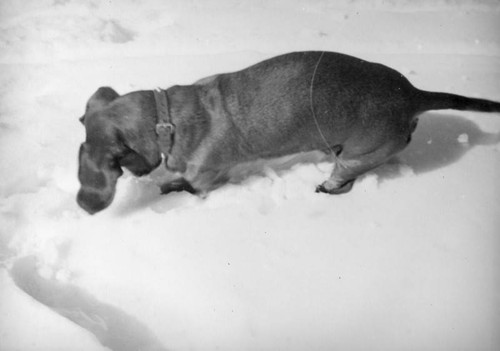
x: 408, y: 260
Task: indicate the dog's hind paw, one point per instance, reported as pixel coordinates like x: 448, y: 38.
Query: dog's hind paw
x: 342, y: 189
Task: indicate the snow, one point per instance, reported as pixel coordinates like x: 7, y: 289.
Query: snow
x: 407, y: 260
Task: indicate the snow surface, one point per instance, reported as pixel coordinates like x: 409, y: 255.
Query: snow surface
x: 408, y: 260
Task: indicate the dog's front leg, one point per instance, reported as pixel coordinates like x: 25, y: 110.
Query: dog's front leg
x: 177, y: 185
x: 208, y: 179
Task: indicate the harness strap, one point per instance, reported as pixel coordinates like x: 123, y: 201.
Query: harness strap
x: 164, y: 128
x: 312, y: 106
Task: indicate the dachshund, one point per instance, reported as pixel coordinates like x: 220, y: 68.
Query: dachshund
x: 358, y: 112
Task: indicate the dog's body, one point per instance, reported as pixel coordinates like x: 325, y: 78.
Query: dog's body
x: 361, y: 113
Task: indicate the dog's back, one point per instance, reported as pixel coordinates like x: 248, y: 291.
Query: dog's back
x: 282, y: 104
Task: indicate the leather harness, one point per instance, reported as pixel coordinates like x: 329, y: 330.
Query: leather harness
x: 165, y: 128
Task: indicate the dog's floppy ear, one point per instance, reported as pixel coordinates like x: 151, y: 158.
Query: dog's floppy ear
x: 102, y: 97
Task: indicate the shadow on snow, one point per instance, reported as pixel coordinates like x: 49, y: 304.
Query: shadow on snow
x: 113, y: 328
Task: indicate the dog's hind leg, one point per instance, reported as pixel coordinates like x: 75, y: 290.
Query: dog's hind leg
x: 348, y: 167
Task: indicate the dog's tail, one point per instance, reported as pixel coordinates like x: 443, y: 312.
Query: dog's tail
x: 427, y: 100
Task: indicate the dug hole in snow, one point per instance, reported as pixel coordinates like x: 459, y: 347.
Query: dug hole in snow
x: 407, y: 260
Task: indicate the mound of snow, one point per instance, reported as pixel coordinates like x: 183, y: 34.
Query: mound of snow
x: 407, y: 260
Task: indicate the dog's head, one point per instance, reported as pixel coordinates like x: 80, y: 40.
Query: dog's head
x: 119, y: 133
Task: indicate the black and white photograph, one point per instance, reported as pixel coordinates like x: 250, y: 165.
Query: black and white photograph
x: 229, y: 175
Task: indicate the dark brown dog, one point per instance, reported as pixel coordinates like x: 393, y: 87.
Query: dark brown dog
x: 362, y: 113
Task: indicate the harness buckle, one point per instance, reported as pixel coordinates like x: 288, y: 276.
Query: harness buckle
x: 164, y: 127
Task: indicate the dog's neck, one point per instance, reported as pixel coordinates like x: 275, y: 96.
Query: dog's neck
x: 190, y: 124
x: 165, y: 129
